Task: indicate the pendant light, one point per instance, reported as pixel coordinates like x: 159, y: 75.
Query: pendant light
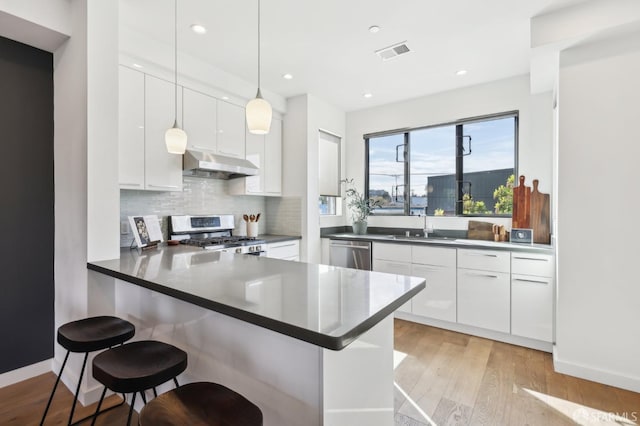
x: 258, y: 110
x: 175, y: 137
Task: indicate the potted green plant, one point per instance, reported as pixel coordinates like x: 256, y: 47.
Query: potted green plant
x: 359, y: 205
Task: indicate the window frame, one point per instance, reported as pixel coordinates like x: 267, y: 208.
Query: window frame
x: 459, y: 172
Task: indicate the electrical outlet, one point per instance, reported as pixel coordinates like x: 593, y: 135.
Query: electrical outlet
x: 124, y: 227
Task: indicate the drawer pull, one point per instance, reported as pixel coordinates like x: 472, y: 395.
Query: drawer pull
x: 482, y: 254
x: 429, y: 267
x: 530, y: 258
x: 164, y: 186
x: 531, y: 281
x: 291, y: 245
x: 482, y: 275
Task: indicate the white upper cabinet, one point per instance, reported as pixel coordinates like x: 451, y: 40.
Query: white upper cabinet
x: 265, y: 152
x: 200, y: 115
x: 272, y: 171
x: 163, y: 171
x: 131, y: 129
x: 231, y: 130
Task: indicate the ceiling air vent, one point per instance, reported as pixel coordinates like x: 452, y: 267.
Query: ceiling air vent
x: 393, y: 51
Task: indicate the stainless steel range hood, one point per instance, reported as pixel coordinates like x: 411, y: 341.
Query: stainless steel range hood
x: 209, y: 165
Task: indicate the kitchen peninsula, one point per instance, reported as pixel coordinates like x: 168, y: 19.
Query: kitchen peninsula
x: 309, y: 344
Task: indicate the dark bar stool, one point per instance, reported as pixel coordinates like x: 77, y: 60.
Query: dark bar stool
x: 200, y: 404
x: 136, y: 367
x: 89, y: 335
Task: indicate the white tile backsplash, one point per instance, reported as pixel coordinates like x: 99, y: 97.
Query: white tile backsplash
x: 199, y: 196
x: 284, y: 215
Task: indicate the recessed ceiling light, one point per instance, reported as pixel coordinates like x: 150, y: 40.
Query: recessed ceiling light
x: 374, y: 29
x: 461, y: 72
x: 137, y: 66
x: 198, y: 29
x: 367, y: 95
x: 287, y: 76
x: 225, y: 98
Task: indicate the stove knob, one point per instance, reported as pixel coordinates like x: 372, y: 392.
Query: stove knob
x: 238, y: 250
x: 252, y: 249
x: 258, y: 248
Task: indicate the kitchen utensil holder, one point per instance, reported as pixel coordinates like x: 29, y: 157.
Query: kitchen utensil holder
x: 252, y: 229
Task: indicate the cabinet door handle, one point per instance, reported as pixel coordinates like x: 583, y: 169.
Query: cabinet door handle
x: 130, y: 184
x: 430, y: 267
x: 531, y: 281
x: 481, y: 254
x: 164, y: 186
x: 481, y: 275
x: 530, y: 258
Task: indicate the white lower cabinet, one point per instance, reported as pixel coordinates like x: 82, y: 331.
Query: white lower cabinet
x: 484, y: 299
x: 393, y: 259
x: 438, y: 267
x: 532, y: 307
x: 285, y: 250
x: 532, y: 290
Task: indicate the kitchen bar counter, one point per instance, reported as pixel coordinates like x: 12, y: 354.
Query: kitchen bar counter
x: 233, y: 285
x: 309, y: 344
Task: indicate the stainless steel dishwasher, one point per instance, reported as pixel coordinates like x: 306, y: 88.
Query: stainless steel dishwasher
x: 350, y: 254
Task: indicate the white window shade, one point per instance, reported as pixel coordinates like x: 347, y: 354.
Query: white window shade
x: 329, y: 164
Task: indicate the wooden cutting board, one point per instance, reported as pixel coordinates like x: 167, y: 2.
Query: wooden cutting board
x: 540, y: 216
x: 480, y: 230
x: 521, y: 216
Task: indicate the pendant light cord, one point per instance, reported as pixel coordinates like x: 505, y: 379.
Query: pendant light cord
x: 258, y: 45
x: 175, y: 61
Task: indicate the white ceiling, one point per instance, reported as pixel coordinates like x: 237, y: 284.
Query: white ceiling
x: 327, y: 47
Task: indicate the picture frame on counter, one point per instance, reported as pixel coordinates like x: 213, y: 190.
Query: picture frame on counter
x: 146, y: 231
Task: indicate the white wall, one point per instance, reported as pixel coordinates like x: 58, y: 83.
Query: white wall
x: 597, y: 316
x: 306, y: 116
x: 535, y: 137
x: 44, y: 24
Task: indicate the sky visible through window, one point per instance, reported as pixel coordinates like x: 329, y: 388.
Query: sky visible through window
x: 433, y: 153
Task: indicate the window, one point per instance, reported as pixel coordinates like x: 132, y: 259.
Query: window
x: 329, y: 176
x: 444, y: 170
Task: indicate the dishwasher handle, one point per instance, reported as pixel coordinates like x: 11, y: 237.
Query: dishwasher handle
x: 351, y: 247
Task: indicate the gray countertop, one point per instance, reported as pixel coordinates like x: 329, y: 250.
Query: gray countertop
x: 278, y: 238
x: 324, y: 305
x: 446, y: 242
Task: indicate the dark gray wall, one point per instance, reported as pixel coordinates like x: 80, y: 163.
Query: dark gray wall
x: 26, y: 212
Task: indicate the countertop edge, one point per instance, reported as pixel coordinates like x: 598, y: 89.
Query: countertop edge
x: 457, y: 243
x: 334, y: 343
x: 269, y: 239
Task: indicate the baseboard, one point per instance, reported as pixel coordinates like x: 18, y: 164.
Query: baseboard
x: 594, y: 374
x: 476, y: 331
x: 24, y: 373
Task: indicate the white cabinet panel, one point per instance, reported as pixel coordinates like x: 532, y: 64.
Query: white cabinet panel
x: 397, y: 252
x: 199, y: 120
x: 433, y: 256
x: 163, y: 171
x: 541, y: 265
x: 255, y: 153
x: 485, y: 260
x: 231, y: 130
x: 131, y: 129
x: 397, y: 268
x: 484, y: 299
x: 286, y: 250
x: 438, y: 299
x: 272, y: 171
x: 532, y: 307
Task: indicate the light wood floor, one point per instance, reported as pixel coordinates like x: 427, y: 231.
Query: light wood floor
x: 449, y: 378
x: 445, y: 378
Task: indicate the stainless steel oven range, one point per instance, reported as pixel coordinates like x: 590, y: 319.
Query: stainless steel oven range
x: 213, y: 232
